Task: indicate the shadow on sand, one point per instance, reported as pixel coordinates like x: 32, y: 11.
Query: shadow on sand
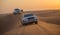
x: 7, y: 22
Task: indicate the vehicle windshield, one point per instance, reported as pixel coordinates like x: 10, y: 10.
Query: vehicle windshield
x: 27, y: 15
x: 17, y: 10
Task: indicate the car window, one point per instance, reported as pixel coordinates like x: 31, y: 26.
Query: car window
x: 27, y: 15
x: 17, y: 10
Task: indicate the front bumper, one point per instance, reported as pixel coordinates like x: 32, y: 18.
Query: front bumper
x: 29, y: 21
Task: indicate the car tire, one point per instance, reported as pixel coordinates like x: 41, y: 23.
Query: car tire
x: 23, y: 24
x: 36, y: 22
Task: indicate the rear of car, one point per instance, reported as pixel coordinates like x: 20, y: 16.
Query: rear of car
x: 28, y: 18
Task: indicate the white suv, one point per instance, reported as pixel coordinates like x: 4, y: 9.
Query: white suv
x: 16, y: 11
x: 27, y: 18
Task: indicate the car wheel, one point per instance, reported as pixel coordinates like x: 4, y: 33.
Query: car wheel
x: 36, y: 22
x: 23, y: 24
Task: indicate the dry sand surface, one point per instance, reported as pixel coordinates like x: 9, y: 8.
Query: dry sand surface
x: 48, y: 24
x: 7, y: 22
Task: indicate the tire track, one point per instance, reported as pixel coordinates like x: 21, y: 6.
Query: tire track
x: 32, y: 30
x: 36, y: 31
x: 40, y: 27
x: 39, y: 30
x: 46, y: 31
x: 20, y: 31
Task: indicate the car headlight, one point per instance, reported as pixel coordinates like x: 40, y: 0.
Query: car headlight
x: 24, y: 19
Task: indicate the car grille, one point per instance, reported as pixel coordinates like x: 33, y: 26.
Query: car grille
x: 31, y: 18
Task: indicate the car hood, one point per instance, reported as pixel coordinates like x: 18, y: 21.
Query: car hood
x: 29, y: 17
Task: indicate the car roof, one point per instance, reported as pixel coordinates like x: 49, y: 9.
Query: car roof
x: 16, y: 9
x: 27, y: 14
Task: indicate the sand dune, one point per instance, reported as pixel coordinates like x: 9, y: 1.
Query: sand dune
x: 9, y: 21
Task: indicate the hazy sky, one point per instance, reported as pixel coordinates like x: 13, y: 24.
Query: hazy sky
x: 7, y: 5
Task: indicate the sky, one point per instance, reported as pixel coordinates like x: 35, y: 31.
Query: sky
x: 9, y: 5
